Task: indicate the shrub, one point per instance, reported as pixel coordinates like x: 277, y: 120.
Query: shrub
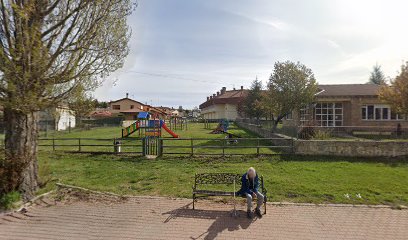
x: 321, y: 134
x: 306, y: 133
x: 9, y: 200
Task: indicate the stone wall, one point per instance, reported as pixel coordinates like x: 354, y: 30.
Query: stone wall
x: 334, y: 147
x: 281, y: 140
x: 351, y: 148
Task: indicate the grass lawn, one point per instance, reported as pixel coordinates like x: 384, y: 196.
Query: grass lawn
x: 105, y: 136
x: 288, y: 178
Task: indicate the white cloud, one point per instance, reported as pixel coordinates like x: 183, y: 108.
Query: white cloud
x: 204, y: 45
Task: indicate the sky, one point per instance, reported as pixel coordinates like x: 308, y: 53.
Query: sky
x: 182, y: 51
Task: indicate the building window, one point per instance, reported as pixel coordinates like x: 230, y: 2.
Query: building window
x: 379, y: 112
x: 304, y: 116
x: 116, y: 107
x: 329, y: 114
x: 132, y: 106
x: 289, y: 116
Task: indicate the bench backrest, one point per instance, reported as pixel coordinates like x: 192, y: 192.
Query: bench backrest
x: 217, y: 178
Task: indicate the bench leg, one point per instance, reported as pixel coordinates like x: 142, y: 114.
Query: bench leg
x: 265, y: 205
x: 193, y: 200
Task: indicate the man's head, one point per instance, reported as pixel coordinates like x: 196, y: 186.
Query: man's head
x: 251, y: 172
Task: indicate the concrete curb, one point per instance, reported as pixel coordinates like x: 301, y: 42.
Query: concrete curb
x: 23, y: 206
x: 269, y: 203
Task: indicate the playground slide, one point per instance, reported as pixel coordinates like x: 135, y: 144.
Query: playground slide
x: 164, y: 126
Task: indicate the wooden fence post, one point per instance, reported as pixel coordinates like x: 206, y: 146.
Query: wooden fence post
x: 223, y: 147
x: 53, y: 144
x: 160, y: 147
x: 257, y: 147
x: 192, y: 147
x: 79, y: 144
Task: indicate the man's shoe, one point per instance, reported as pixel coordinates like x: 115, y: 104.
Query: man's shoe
x: 258, y: 213
x: 249, y: 214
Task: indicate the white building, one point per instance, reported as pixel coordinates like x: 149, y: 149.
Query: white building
x: 66, y: 119
x: 223, y: 104
x: 62, y: 118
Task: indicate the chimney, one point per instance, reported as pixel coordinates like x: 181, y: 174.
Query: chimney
x: 242, y: 87
x: 234, y: 89
x: 223, y: 90
x: 214, y: 95
x: 127, y: 95
x: 218, y: 93
x: 208, y: 98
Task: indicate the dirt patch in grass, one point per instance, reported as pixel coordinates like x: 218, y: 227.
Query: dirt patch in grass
x: 69, y: 195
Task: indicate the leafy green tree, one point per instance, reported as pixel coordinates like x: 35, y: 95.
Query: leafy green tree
x: 291, y: 86
x: 397, y: 93
x: 252, y: 104
x: 377, y: 76
x: 100, y: 104
x: 47, y: 50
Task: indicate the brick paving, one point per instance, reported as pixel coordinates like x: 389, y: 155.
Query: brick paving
x: 163, y: 218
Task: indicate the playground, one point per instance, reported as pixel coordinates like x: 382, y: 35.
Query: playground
x: 171, y: 137
x: 293, y: 178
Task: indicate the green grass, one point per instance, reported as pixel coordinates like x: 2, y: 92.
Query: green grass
x: 288, y: 178
x: 182, y: 145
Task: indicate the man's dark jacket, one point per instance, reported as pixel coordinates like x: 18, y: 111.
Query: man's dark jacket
x: 248, y: 185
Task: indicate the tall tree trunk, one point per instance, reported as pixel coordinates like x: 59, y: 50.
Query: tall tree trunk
x: 21, y: 152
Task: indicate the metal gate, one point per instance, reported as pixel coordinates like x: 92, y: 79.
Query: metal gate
x: 152, y: 146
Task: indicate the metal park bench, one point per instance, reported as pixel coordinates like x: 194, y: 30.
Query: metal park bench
x: 202, y: 179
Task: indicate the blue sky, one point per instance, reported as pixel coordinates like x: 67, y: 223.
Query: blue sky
x: 185, y: 50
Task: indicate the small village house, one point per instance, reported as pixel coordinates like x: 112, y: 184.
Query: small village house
x: 223, y: 104
x: 129, y: 109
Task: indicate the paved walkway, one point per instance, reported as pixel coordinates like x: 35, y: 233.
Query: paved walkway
x: 162, y: 218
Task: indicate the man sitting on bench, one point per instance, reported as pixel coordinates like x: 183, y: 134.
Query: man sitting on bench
x: 249, y: 189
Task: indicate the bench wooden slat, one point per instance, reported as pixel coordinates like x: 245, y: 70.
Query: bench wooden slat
x: 213, y: 193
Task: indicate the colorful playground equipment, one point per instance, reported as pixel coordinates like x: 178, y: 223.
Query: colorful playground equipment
x: 222, y: 127
x: 147, y: 128
x: 152, y: 128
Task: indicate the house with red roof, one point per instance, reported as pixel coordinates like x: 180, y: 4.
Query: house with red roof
x: 223, y: 104
x: 130, y: 108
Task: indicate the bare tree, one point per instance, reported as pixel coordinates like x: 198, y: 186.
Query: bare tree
x: 47, y: 49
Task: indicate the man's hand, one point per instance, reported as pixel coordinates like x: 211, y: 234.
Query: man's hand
x: 253, y: 195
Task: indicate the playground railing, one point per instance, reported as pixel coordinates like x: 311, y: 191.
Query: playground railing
x: 172, y: 146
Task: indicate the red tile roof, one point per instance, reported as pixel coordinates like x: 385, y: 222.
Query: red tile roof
x: 348, y: 90
x: 102, y: 113
x: 230, y: 97
x: 126, y: 98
